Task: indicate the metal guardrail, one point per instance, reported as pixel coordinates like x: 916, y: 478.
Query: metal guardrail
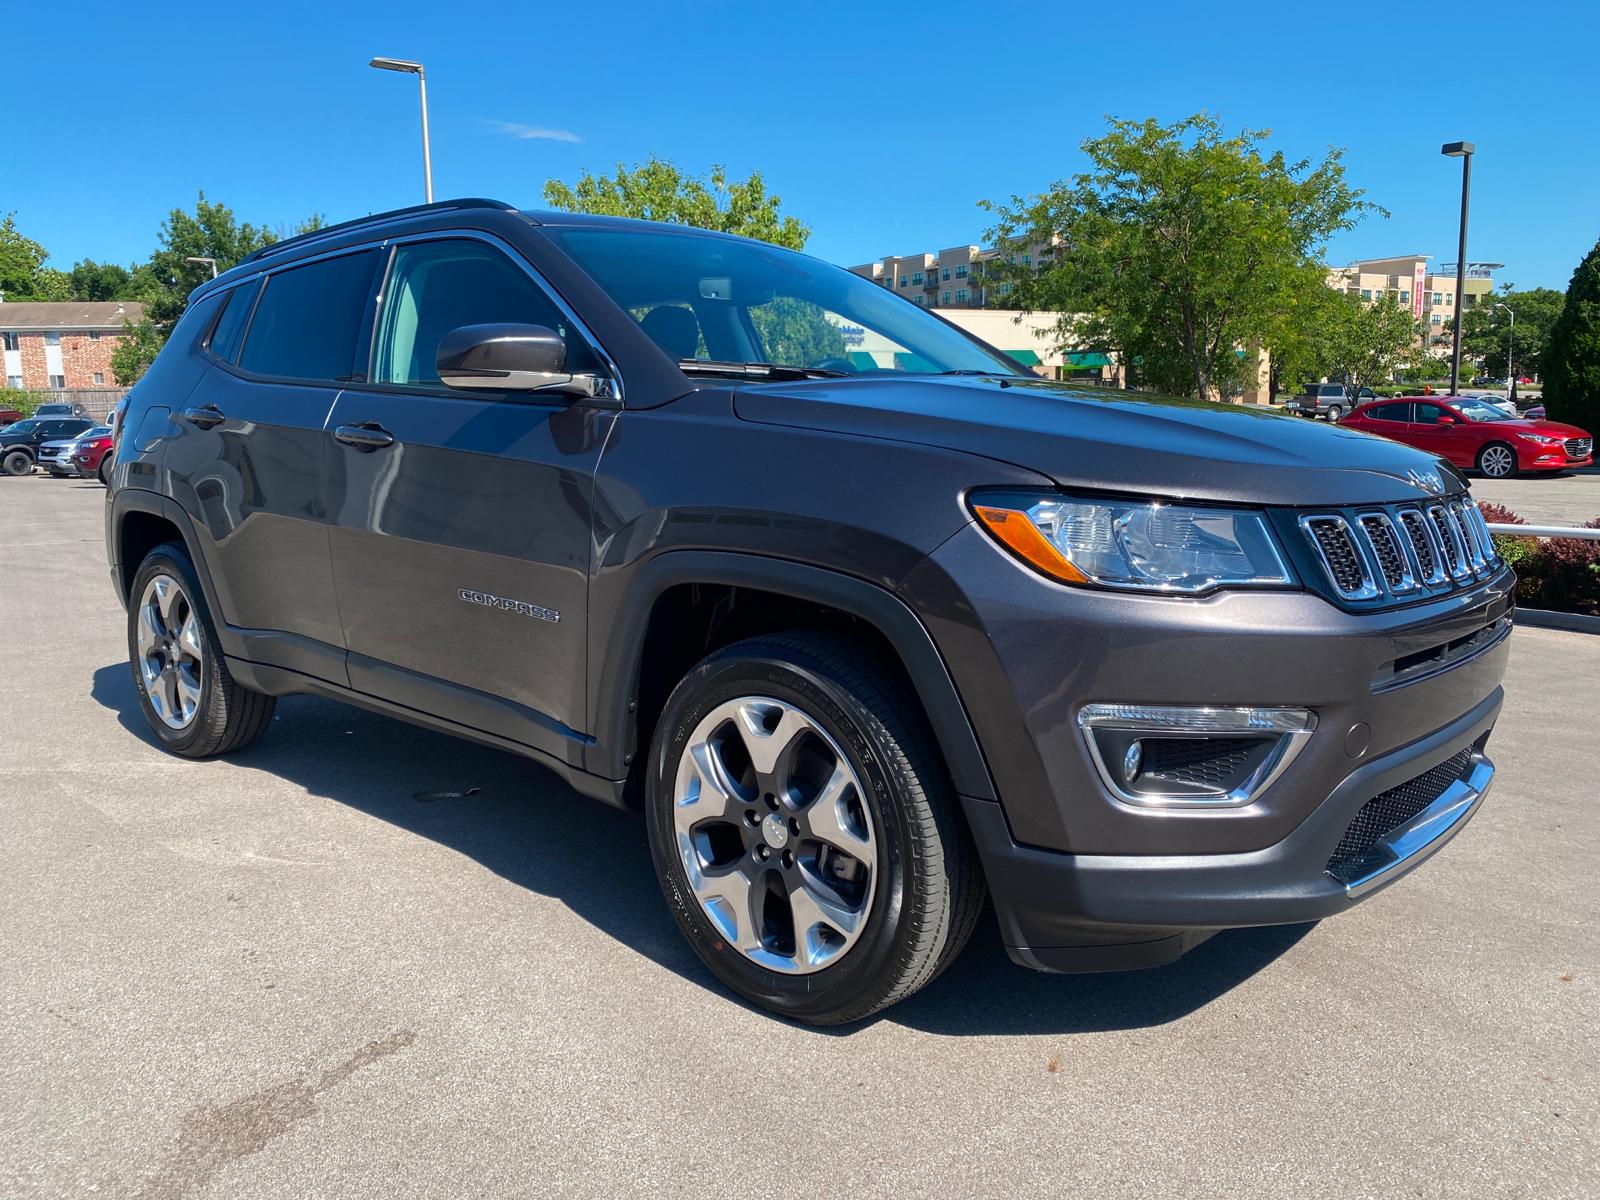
x: 1547, y: 531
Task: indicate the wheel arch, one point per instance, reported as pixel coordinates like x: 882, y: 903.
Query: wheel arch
x: 681, y: 605
x: 139, y: 522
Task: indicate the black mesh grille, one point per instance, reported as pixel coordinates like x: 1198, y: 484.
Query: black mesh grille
x: 1417, y: 534
x: 1441, y: 525
x: 1389, y: 810
x: 1349, y: 574
x: 1391, y: 559
x: 1210, y: 762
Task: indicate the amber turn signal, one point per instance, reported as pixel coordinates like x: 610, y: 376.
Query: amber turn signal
x: 1016, y: 533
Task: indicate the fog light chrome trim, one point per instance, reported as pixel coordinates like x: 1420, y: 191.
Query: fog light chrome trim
x: 1292, y: 727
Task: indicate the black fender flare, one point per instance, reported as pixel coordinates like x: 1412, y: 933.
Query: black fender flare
x: 127, y: 500
x: 616, y: 649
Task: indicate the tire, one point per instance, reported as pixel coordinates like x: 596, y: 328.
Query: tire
x: 103, y: 471
x: 911, y: 888
x: 1497, y: 460
x: 1335, y: 411
x: 198, y: 709
x: 17, y: 462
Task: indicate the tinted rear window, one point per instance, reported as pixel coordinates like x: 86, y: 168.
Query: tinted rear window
x: 306, y: 322
x: 224, y: 340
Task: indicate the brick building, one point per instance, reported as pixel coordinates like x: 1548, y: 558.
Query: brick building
x: 67, y: 345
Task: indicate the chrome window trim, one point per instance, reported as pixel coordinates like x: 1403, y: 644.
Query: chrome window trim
x: 1369, y: 589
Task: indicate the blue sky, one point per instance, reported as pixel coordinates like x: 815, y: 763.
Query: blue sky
x: 881, y: 125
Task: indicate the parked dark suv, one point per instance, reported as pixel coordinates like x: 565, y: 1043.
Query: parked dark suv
x: 864, y: 619
x: 20, y: 442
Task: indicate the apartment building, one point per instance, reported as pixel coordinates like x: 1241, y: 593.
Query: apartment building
x: 49, y: 346
x: 952, y: 278
x: 1407, y: 281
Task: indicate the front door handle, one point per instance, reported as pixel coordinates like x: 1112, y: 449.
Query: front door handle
x: 205, y: 416
x: 367, y: 436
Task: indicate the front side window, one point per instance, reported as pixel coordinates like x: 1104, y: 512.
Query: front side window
x: 435, y: 287
x: 308, y: 318
x: 740, y: 301
x: 1428, y: 414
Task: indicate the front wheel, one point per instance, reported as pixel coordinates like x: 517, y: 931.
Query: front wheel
x: 1497, y: 460
x: 104, y: 470
x: 804, y: 833
x: 16, y: 462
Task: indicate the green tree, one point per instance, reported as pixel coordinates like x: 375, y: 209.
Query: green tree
x: 21, y: 262
x: 1571, y: 362
x: 1179, y: 246
x: 1368, y: 342
x: 658, y: 191
x: 140, y: 344
x: 1486, y: 330
x: 90, y: 280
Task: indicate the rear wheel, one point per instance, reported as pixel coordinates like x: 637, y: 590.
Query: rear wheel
x: 16, y: 462
x: 1335, y: 411
x: 104, y: 470
x: 1497, y: 460
x: 803, y: 831
x: 187, y: 694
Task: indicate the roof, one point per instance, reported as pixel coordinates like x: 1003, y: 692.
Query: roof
x: 69, y: 314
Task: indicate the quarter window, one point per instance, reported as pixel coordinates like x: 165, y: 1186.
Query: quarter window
x: 225, y: 334
x: 308, y: 319
x: 435, y: 287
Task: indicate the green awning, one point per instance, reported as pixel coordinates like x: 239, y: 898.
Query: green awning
x: 1026, y: 357
x: 1089, y: 358
x: 862, y: 360
x: 904, y: 360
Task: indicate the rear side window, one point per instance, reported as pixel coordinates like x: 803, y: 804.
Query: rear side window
x: 307, y: 320
x: 435, y: 287
x: 1390, y: 412
x: 229, y: 329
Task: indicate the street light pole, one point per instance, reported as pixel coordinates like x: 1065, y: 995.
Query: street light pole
x: 1511, y: 353
x: 407, y: 67
x: 1463, y: 151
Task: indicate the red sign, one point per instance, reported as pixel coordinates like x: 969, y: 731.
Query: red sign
x: 1418, y: 282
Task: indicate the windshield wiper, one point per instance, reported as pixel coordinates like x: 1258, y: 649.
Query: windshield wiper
x: 756, y: 370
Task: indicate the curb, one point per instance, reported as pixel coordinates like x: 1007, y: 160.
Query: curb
x: 1539, y: 618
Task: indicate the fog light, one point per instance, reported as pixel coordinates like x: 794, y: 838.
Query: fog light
x: 1173, y: 756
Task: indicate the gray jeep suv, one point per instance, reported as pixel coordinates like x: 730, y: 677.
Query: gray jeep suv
x: 866, y: 620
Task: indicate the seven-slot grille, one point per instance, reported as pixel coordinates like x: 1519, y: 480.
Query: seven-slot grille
x: 1579, y: 447
x: 1403, y: 551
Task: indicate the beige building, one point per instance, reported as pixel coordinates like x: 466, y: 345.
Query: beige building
x: 1431, y: 297
x: 952, y: 278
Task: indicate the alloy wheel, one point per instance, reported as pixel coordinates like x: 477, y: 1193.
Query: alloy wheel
x: 171, y: 651
x: 1497, y: 462
x: 775, y: 835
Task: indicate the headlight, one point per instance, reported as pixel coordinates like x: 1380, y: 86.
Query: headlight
x: 1144, y: 546
x: 1542, y: 439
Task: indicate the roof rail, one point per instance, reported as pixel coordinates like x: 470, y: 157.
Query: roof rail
x: 375, y: 219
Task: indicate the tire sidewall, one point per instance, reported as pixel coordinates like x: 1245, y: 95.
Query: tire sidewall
x: 11, y: 457
x: 850, y: 725
x: 172, y: 560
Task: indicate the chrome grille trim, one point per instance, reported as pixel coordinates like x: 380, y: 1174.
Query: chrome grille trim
x: 1480, y: 527
x: 1387, y: 552
x: 1455, y: 557
x: 1469, y: 541
x: 1423, y: 543
x: 1340, y: 538
x: 1578, y: 447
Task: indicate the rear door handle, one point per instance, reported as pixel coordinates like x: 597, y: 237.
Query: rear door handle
x: 205, y: 416
x: 367, y: 436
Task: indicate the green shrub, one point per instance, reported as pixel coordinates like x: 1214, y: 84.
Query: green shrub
x: 23, y: 402
x: 1555, y: 574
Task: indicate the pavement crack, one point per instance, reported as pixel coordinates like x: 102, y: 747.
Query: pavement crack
x: 214, y: 1135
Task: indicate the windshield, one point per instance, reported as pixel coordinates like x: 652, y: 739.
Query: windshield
x: 1474, y: 409
x: 709, y: 300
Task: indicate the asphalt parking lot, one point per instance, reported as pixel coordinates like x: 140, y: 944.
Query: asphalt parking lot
x: 1570, y: 498
x: 363, y: 959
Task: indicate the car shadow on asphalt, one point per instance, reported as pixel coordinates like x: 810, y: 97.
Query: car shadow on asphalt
x: 521, y: 822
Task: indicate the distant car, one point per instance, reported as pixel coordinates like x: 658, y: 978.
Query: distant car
x: 1331, y: 400
x: 9, y: 416
x: 1534, y: 412
x: 61, y: 409
x: 60, y: 457
x: 20, y: 443
x: 1470, y: 433
x: 1503, y: 403
x: 92, y: 453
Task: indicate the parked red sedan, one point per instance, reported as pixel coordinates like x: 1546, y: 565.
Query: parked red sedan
x: 92, y: 455
x: 1471, y: 433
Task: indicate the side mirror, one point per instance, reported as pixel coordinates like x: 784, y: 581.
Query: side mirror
x: 1445, y: 419
x: 511, y: 358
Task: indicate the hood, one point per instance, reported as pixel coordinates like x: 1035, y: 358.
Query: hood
x: 1548, y: 428
x: 1115, y: 440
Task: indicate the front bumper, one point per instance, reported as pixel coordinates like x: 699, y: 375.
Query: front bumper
x: 1066, y: 912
